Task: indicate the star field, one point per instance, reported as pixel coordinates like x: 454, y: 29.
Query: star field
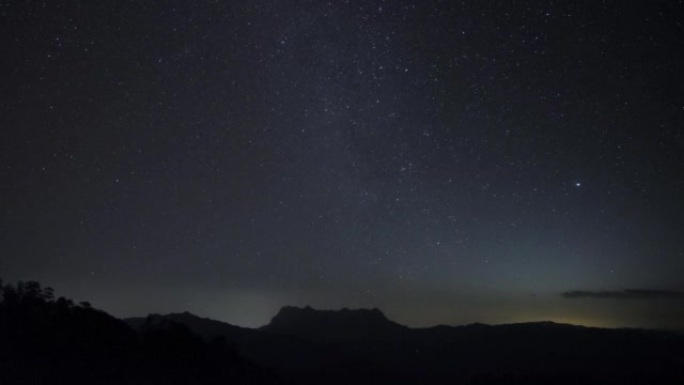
x: 448, y: 162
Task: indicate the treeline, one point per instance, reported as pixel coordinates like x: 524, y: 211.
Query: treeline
x: 47, y: 339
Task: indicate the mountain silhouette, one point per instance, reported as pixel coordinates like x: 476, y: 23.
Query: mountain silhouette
x: 266, y: 348
x: 48, y: 340
x: 363, y: 346
x: 44, y: 340
x: 344, y: 324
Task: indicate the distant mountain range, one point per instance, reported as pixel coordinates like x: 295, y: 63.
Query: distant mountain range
x: 364, y: 346
x: 50, y: 340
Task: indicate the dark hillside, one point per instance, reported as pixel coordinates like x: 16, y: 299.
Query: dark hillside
x: 363, y: 346
x: 47, y: 340
x: 53, y: 340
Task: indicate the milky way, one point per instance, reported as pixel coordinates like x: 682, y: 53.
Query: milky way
x: 447, y: 162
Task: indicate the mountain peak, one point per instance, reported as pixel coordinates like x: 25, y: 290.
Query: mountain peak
x: 335, y: 324
x: 344, y: 312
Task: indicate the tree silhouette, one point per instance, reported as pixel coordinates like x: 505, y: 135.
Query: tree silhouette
x: 48, y: 340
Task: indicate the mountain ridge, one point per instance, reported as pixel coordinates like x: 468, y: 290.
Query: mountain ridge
x: 346, y: 344
x: 371, y: 315
x: 333, y: 324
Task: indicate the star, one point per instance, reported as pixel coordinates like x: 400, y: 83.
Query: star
x: 273, y: 144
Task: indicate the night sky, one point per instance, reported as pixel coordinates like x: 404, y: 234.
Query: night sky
x: 448, y: 162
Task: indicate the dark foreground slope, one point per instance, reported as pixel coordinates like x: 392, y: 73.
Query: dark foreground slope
x: 363, y: 346
x: 44, y: 340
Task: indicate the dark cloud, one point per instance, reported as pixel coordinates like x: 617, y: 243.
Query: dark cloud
x: 625, y: 294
